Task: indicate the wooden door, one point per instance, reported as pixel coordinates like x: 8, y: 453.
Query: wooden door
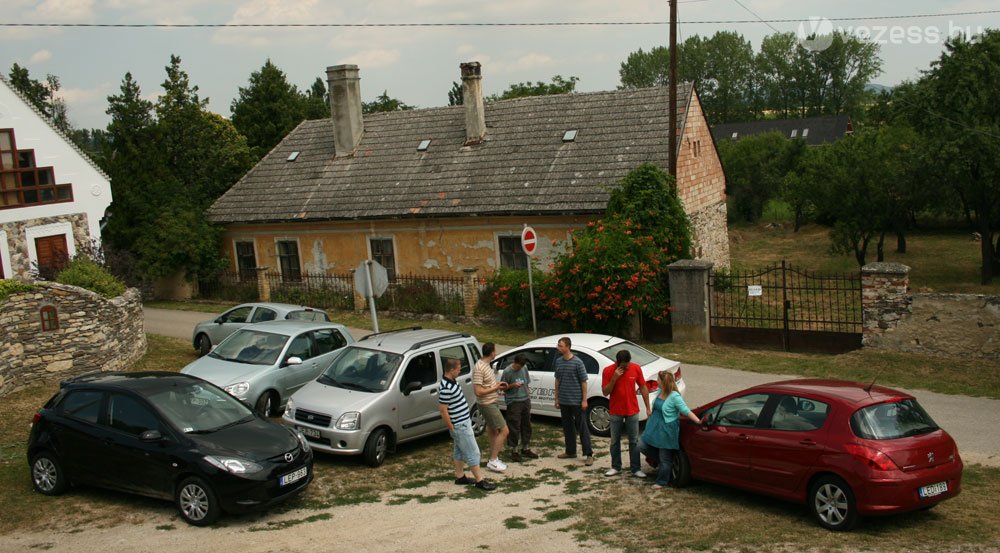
x: 53, y: 255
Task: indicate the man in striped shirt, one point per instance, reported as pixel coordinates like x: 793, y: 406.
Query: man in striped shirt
x: 455, y: 412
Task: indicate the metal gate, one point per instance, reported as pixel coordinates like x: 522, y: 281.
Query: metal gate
x: 781, y: 307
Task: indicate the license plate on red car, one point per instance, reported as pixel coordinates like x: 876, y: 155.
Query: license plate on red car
x: 293, y: 477
x: 934, y: 489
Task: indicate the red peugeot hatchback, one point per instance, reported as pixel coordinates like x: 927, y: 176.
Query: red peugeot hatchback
x: 843, y: 448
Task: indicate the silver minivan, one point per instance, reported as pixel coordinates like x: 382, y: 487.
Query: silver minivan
x: 382, y: 391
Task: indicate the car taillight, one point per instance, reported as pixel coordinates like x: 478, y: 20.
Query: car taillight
x: 677, y: 375
x: 652, y: 385
x: 872, y: 457
x: 36, y: 418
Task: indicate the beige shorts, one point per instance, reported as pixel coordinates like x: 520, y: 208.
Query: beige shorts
x: 494, y: 418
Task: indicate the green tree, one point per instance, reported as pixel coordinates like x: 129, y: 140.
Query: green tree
x: 384, y: 103
x: 539, y: 88
x: 316, y: 101
x: 267, y: 109
x: 42, y: 95
x: 756, y: 167
x: 618, y: 266
x: 775, y: 64
x: 455, y: 95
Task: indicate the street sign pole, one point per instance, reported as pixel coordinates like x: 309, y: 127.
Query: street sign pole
x: 529, y: 245
x: 371, y: 295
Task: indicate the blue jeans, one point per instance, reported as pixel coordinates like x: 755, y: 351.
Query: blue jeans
x: 631, y: 425
x: 466, y: 449
x: 666, y: 457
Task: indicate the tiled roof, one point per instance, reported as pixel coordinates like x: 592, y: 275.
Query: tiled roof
x: 818, y: 130
x: 522, y: 167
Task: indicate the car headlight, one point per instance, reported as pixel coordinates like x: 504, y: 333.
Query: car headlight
x: 349, y: 421
x: 238, y: 389
x: 290, y: 409
x: 234, y: 465
x: 302, y: 441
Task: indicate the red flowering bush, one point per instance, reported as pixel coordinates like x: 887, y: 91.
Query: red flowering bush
x: 618, y: 266
x: 506, y: 296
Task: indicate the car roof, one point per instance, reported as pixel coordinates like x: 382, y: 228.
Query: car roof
x: 289, y: 327
x: 137, y: 381
x: 852, y: 392
x: 280, y: 306
x: 401, y: 341
x: 596, y: 342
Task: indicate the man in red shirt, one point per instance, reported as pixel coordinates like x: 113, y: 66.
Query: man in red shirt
x: 619, y: 382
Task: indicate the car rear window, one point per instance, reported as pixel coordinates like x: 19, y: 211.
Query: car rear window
x: 315, y: 316
x: 892, y: 420
x: 640, y: 355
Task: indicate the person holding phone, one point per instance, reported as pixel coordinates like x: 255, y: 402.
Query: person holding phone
x: 619, y: 383
x: 518, y: 400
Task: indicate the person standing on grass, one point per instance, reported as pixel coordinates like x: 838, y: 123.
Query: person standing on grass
x: 619, y: 383
x: 486, y: 387
x: 518, y: 400
x: 455, y: 412
x: 661, y: 439
x: 571, y: 400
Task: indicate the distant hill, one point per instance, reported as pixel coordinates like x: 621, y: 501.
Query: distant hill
x: 877, y: 88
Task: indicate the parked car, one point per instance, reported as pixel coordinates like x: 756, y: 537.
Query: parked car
x: 211, y: 332
x: 265, y: 363
x: 597, y: 351
x: 845, y: 449
x: 382, y: 391
x: 169, y: 436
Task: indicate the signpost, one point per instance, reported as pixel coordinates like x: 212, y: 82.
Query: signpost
x: 371, y: 281
x: 529, y: 243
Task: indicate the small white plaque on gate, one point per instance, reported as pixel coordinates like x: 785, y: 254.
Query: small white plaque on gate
x: 755, y: 290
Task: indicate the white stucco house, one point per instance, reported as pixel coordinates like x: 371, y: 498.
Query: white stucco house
x: 52, y: 196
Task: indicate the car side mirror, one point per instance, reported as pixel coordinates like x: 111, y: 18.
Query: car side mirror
x: 411, y: 387
x: 293, y: 360
x: 219, y: 320
x: 150, y: 436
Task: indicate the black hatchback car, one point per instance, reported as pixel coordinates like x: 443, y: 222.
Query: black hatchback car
x: 166, y: 435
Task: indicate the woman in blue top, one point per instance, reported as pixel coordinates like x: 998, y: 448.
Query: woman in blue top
x: 662, y: 434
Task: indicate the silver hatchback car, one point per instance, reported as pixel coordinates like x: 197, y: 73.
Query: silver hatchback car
x: 213, y: 331
x: 263, y: 364
x: 382, y: 391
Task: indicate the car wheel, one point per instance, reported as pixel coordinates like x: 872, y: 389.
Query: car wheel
x: 376, y: 447
x: 599, y: 418
x: 266, y: 404
x: 204, y: 344
x: 197, y: 503
x: 832, y: 503
x: 478, y: 420
x: 47, y: 475
x: 680, y: 470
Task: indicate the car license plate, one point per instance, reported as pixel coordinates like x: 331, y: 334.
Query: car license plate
x: 934, y: 489
x: 308, y: 432
x: 293, y: 477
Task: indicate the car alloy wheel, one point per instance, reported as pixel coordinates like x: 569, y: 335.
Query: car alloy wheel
x: 599, y: 418
x: 46, y: 475
x: 832, y: 502
x: 204, y: 345
x: 196, y: 502
x: 376, y: 447
x: 478, y: 420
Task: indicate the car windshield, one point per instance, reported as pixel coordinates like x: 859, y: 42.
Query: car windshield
x: 640, y: 355
x: 251, y: 346
x: 195, y: 408
x: 892, y: 420
x: 362, y: 369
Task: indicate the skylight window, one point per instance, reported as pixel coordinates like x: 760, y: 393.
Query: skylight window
x: 795, y: 132
x: 293, y: 156
x: 805, y: 133
x: 424, y: 144
x: 569, y: 136
x: 736, y: 135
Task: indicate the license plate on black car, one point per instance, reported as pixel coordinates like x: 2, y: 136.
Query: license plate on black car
x: 293, y: 477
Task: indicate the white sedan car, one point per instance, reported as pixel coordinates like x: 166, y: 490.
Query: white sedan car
x: 596, y: 351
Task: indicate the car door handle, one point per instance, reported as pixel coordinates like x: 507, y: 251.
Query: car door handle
x: 808, y: 442
x: 743, y: 438
x: 433, y: 391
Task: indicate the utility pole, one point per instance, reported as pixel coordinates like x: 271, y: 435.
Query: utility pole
x: 672, y: 141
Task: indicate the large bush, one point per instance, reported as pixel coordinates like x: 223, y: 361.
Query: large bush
x: 507, y: 296
x: 85, y: 273
x: 9, y: 286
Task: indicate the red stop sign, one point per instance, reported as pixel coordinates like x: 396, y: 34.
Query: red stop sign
x: 529, y: 241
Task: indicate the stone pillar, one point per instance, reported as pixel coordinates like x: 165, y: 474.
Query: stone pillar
x: 689, y: 320
x: 470, y: 292
x: 263, y: 284
x: 884, y: 299
x: 360, y: 303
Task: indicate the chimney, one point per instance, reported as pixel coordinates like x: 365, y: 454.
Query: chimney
x: 345, y: 108
x: 472, y: 99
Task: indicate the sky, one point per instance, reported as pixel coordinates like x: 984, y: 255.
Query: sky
x: 417, y: 65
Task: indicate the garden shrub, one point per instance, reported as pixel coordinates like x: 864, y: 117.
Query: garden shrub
x: 85, y: 273
x: 507, y: 296
x: 10, y: 286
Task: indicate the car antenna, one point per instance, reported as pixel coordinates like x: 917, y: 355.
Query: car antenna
x: 869, y: 387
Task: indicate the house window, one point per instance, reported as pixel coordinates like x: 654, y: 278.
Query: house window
x: 50, y: 318
x: 288, y: 260
x: 22, y: 182
x: 246, y: 260
x: 512, y: 256
x: 382, y: 253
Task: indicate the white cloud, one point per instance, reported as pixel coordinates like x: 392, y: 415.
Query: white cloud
x: 40, y: 56
x: 373, y: 58
x: 526, y: 62
x: 276, y: 11
x: 65, y: 10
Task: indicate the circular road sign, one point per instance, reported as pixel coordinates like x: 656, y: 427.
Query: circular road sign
x: 529, y: 241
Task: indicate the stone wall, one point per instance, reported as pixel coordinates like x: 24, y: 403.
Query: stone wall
x: 94, y: 334
x: 710, y: 235
x: 955, y: 325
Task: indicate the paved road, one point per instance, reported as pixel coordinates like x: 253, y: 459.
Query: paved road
x: 969, y: 420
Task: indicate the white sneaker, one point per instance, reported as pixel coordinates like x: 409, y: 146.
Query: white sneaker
x: 496, y: 465
x: 612, y: 472
x: 639, y: 474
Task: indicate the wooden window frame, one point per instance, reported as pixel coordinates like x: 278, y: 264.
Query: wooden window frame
x: 50, y: 318
x: 511, y: 258
x: 14, y: 193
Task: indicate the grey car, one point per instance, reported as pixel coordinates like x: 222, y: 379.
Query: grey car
x: 211, y: 332
x: 382, y: 391
x: 263, y: 364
